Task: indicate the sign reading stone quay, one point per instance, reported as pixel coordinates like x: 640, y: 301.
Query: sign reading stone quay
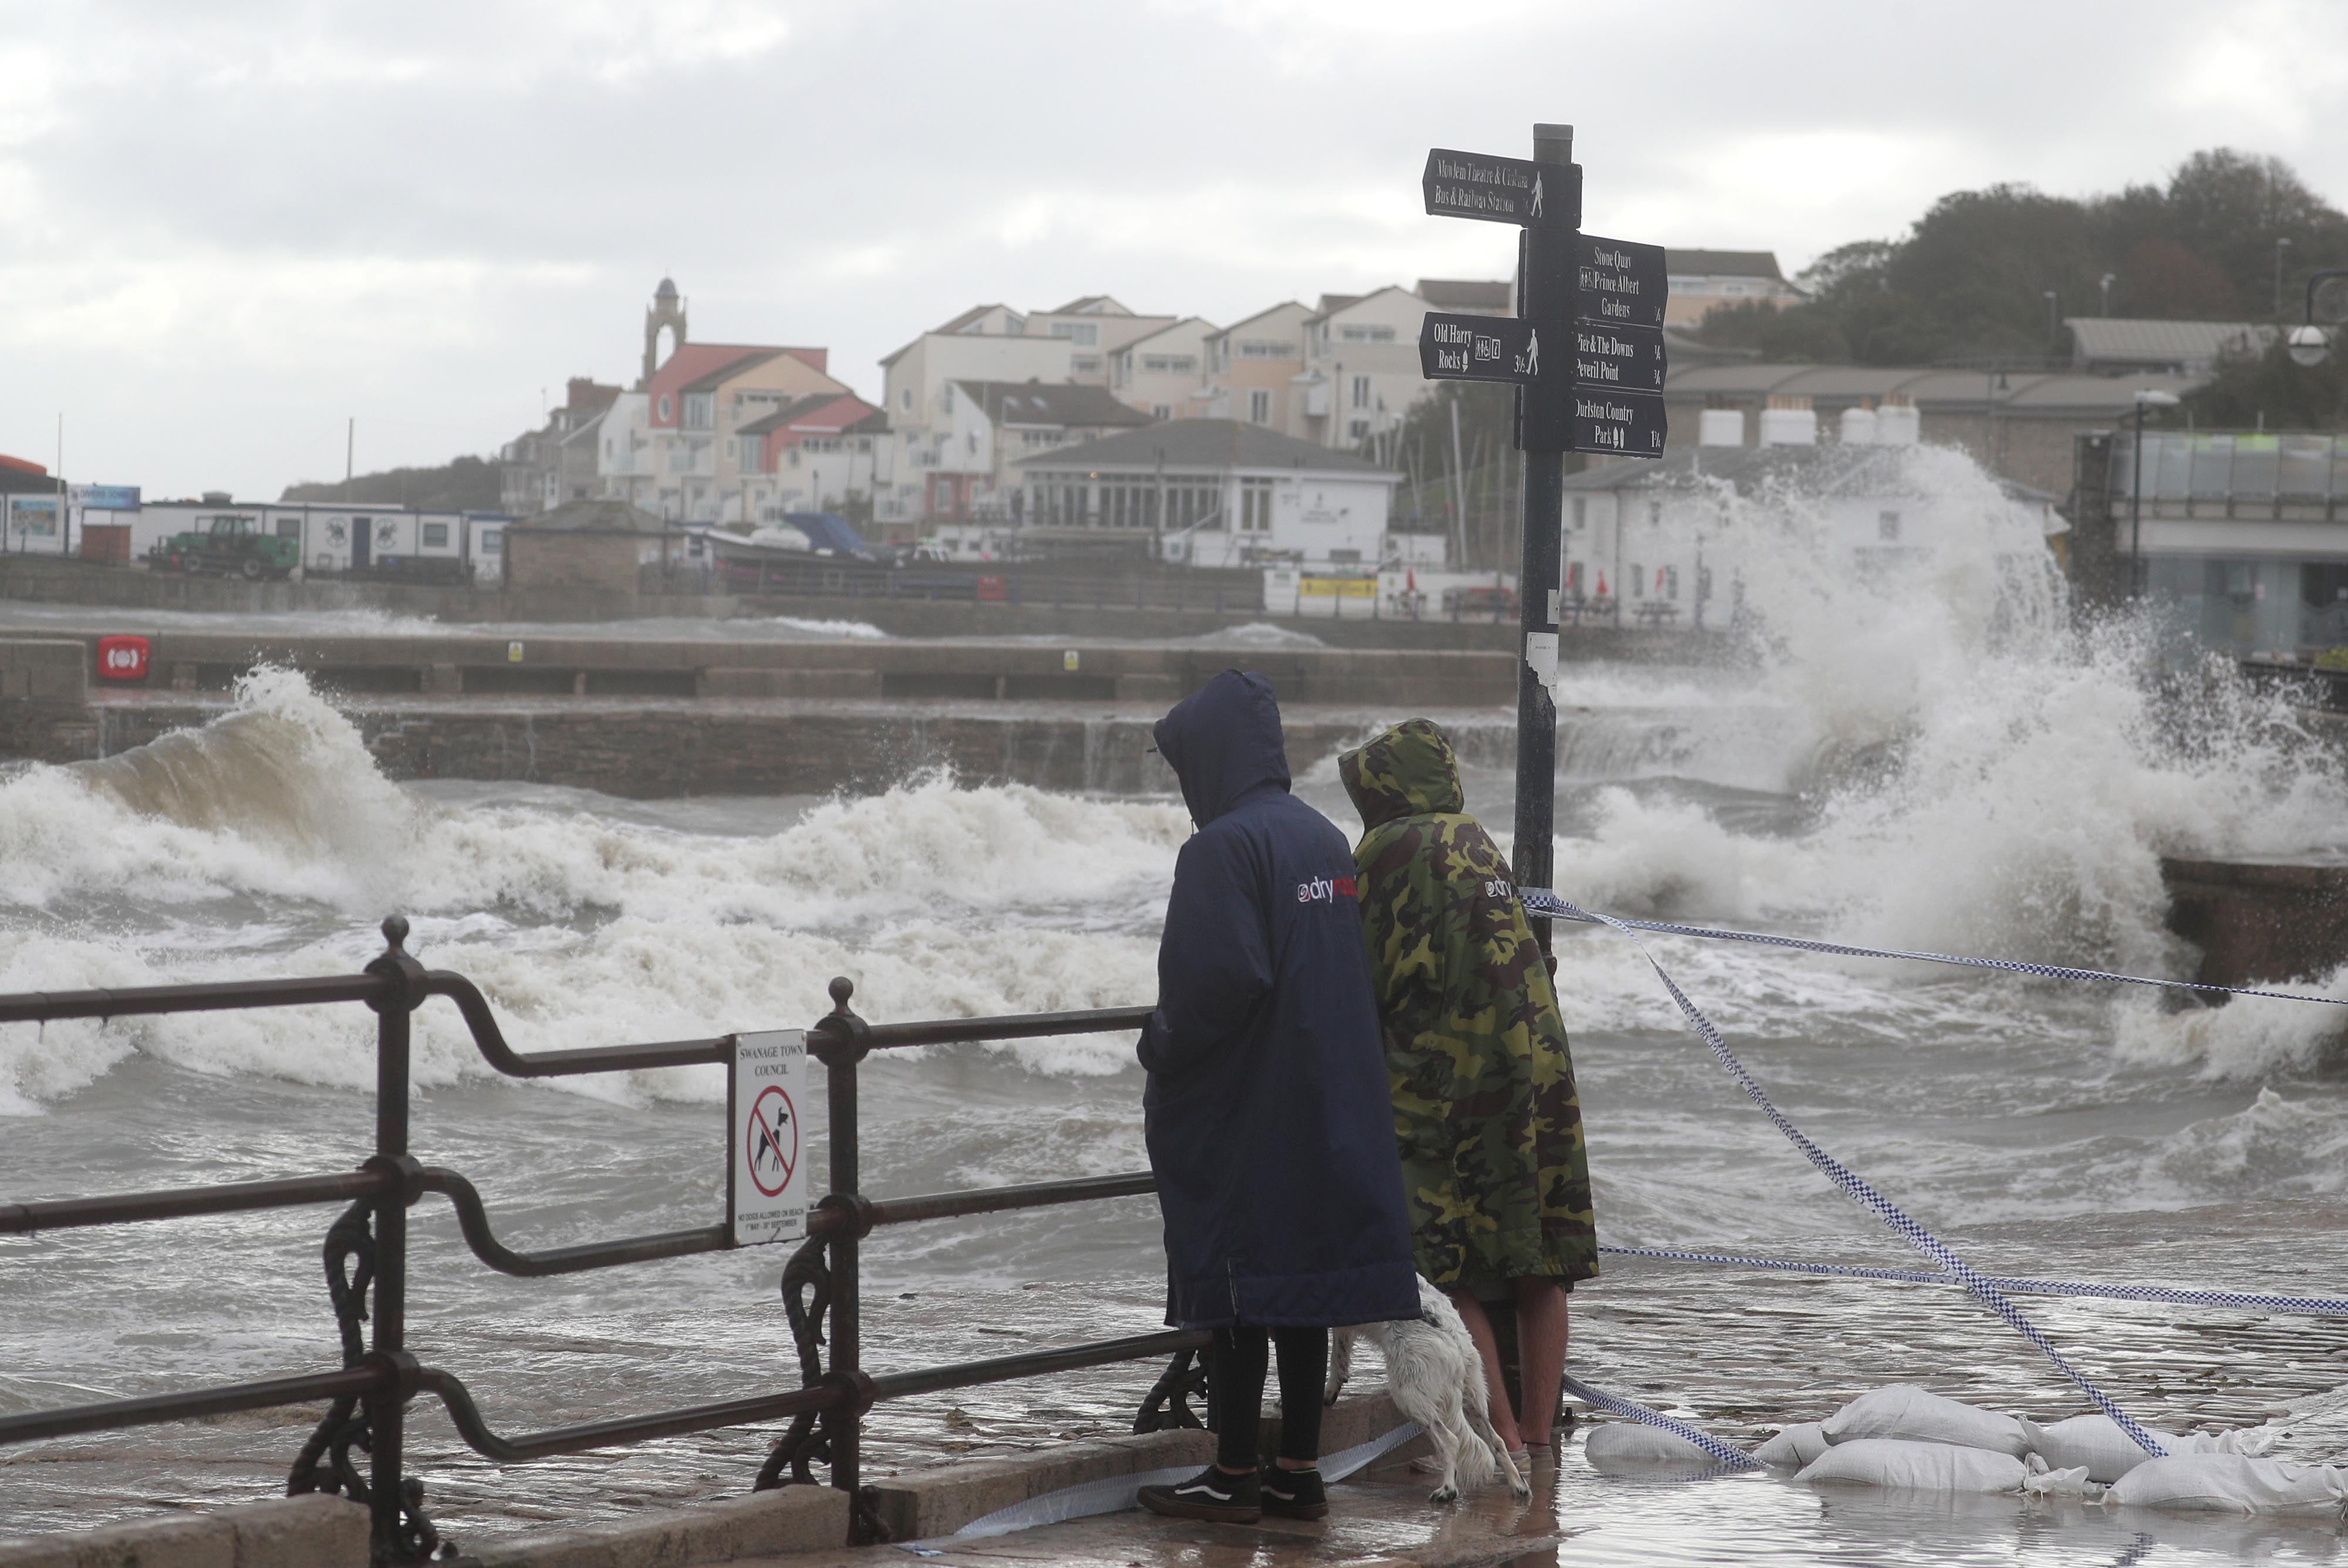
x: 1627, y: 424
x: 1618, y: 359
x: 1477, y: 185
x: 1619, y: 283
x: 1479, y: 348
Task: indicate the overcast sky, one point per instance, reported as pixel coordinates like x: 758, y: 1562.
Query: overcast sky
x: 227, y: 225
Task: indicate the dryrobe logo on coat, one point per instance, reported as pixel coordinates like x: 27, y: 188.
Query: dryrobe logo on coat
x: 1324, y: 890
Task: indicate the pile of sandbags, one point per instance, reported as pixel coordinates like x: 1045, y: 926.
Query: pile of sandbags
x: 1906, y: 1437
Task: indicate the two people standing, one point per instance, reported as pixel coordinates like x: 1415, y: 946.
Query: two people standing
x: 1356, y: 1074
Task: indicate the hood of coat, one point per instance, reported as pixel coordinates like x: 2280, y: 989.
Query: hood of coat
x: 1222, y: 741
x: 1408, y: 771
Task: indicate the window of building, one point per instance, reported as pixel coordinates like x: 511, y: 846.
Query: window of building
x: 1161, y: 410
x: 1084, y: 363
x: 1365, y: 334
x: 747, y: 451
x: 700, y: 410
x: 290, y: 527
x: 1170, y: 364
x: 1887, y: 526
x: 493, y: 542
x: 1255, y: 505
x: 436, y: 535
x: 1260, y: 407
x: 1580, y: 513
x: 665, y: 405
x: 1359, y: 431
x: 1344, y: 557
x: 1085, y: 332
x: 1667, y: 583
x: 1655, y: 514
x: 1361, y: 391
x: 905, y: 399
x: 1267, y: 350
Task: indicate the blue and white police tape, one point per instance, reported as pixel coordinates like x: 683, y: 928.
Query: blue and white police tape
x: 1541, y: 900
x: 2166, y: 1295
x: 1859, y: 1191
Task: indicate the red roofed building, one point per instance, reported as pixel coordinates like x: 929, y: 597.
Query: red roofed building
x: 811, y: 455
x: 695, y: 406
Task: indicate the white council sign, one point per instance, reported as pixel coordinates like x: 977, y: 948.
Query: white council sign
x: 766, y: 1179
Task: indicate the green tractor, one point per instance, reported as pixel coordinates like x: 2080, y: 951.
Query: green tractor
x: 229, y: 545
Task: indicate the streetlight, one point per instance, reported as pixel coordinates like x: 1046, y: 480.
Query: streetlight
x: 2309, y: 343
x: 2146, y: 399
x: 2282, y: 245
x: 2104, y: 284
x: 2053, y: 314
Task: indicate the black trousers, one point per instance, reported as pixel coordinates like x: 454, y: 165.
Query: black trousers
x: 1235, y: 1370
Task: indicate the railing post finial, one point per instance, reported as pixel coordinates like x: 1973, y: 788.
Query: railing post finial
x: 842, y: 988
x: 394, y: 932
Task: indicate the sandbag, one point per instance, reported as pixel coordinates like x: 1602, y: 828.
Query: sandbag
x: 1917, y: 1466
x: 1635, y: 1442
x: 1908, y: 1413
x: 2231, y: 1483
x: 2109, y: 1453
x: 1795, y: 1446
x: 2043, y: 1480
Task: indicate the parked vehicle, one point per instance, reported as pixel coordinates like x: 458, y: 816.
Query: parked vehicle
x: 233, y: 545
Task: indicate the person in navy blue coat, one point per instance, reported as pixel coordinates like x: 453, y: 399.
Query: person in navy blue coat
x: 1268, y: 1113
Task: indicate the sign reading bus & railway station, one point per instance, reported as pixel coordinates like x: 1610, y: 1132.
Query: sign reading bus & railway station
x: 1495, y: 190
x: 766, y: 1177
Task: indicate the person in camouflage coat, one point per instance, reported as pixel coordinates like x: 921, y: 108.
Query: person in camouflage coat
x: 1485, y: 1110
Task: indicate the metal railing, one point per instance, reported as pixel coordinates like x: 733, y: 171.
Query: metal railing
x: 367, y: 1255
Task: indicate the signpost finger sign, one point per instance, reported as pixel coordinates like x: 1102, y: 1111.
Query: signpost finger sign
x: 766, y: 1197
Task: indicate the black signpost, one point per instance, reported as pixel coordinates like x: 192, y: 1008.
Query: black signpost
x: 1585, y: 352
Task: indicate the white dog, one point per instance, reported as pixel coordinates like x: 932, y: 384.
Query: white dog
x: 1437, y: 1380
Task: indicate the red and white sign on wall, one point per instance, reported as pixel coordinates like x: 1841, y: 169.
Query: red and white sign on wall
x: 123, y: 658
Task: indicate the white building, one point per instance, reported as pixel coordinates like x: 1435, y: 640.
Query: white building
x: 1213, y: 492
x: 1163, y: 374
x: 1361, y: 367
x: 1644, y: 538
x: 987, y: 343
x: 1095, y: 328
x: 338, y: 537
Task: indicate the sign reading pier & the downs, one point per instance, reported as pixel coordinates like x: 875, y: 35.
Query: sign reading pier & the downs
x: 766, y: 1189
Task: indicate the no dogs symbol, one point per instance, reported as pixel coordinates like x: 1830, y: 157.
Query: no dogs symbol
x: 774, y: 1140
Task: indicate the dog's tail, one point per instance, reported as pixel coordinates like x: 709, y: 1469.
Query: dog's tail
x: 1477, y: 1467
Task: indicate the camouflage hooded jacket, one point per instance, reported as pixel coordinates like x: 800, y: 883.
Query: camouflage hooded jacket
x: 1490, y: 1128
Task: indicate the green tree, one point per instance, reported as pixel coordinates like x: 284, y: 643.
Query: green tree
x: 461, y: 484
x: 1970, y: 280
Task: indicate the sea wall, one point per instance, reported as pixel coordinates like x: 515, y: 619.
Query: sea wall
x: 2259, y: 922
x: 50, y: 581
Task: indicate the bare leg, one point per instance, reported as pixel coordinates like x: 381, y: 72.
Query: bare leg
x: 1540, y: 1351
x: 1480, y: 1329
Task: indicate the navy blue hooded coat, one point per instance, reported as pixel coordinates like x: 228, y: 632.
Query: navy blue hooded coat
x: 1270, y: 1122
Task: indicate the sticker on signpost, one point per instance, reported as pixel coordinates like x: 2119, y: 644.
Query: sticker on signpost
x: 766, y: 1172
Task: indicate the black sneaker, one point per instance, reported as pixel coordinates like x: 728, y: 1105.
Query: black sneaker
x: 1292, y: 1493
x: 1209, y: 1494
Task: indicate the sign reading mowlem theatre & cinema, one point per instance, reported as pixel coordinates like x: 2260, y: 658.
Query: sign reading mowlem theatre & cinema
x: 1477, y: 185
